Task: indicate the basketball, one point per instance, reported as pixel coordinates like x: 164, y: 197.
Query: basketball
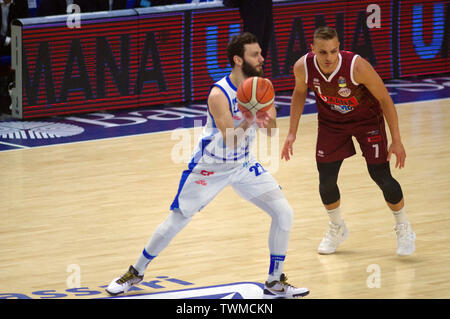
x: 255, y: 94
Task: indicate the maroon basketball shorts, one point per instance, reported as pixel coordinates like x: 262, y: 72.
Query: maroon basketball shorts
x: 335, y: 144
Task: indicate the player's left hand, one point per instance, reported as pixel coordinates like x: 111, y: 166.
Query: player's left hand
x: 263, y: 119
x: 400, y: 154
x: 249, y: 117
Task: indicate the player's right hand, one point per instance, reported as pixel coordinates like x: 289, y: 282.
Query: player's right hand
x: 249, y: 117
x: 398, y: 149
x: 287, y: 150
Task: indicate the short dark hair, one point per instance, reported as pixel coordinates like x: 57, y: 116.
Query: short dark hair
x: 237, y: 43
x: 325, y: 33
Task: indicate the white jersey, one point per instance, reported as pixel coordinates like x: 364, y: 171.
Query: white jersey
x: 211, y: 146
x: 214, y: 166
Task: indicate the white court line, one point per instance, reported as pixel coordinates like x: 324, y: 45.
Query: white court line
x: 14, y: 145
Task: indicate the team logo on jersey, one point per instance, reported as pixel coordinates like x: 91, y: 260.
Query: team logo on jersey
x: 345, y: 92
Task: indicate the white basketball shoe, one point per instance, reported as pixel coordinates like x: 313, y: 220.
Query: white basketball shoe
x: 405, y: 239
x: 122, y: 284
x: 335, y: 235
x: 281, y: 289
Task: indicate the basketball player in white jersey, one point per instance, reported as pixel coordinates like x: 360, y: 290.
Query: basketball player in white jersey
x: 222, y: 158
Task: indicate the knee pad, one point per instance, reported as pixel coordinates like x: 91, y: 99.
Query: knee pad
x: 381, y: 175
x: 329, y: 193
x: 328, y: 175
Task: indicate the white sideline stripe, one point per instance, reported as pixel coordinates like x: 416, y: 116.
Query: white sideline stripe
x: 21, y: 147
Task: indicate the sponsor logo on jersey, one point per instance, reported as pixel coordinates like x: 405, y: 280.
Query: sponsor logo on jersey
x: 342, y: 108
x: 374, y: 136
x: 352, y: 101
x: 372, y: 139
x: 342, y: 105
x: 206, y: 173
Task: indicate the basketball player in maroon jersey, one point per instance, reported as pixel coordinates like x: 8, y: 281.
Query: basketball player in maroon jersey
x: 351, y: 100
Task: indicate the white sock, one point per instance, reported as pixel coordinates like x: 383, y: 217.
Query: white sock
x: 142, y: 262
x: 275, y: 204
x: 400, y: 216
x: 335, y: 215
x: 276, y: 267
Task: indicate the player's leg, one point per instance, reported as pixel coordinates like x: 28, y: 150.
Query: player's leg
x: 160, y: 238
x: 263, y: 191
x: 330, y: 196
x: 197, y: 188
x: 393, y: 195
x: 392, y: 191
x: 374, y: 146
x: 331, y: 149
x: 275, y: 204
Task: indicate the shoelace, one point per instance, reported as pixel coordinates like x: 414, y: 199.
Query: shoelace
x: 332, y: 232
x: 283, y: 281
x: 127, y: 276
x: 405, y: 237
x: 402, y: 232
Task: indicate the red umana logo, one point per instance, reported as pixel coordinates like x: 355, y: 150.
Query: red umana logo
x: 351, y: 101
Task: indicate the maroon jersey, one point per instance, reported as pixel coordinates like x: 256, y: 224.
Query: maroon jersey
x: 340, y: 100
x: 345, y: 109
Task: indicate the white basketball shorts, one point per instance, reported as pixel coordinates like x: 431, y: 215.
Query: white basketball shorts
x: 201, y: 183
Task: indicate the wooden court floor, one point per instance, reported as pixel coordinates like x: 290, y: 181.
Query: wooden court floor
x: 95, y: 204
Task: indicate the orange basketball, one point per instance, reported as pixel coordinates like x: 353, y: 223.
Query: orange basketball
x: 255, y: 94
